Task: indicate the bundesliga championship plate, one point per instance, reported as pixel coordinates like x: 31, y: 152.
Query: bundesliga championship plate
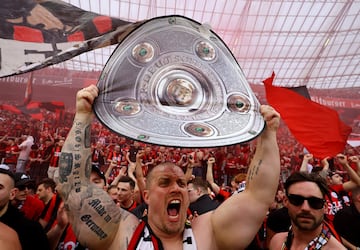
x: 173, y: 82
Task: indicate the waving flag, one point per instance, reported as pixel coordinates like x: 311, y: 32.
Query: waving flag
x: 33, y: 109
x: 29, y: 110
x: 35, y: 34
x: 317, y: 127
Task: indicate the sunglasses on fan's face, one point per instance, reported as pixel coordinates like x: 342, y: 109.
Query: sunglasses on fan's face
x: 298, y: 200
x: 22, y: 187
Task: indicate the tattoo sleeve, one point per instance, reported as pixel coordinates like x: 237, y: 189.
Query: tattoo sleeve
x: 95, y: 217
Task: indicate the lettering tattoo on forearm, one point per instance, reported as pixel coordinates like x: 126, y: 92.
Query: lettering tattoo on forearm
x: 93, y: 226
x: 254, y: 170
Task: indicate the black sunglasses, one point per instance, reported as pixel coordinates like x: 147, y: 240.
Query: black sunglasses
x: 22, y: 187
x: 298, y: 200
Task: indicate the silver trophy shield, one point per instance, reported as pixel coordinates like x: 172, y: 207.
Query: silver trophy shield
x: 173, y: 82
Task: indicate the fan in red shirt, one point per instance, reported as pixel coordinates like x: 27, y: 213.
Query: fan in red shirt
x: 12, y: 152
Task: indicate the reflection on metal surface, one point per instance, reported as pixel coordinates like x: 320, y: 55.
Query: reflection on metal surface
x: 127, y: 107
x: 180, y: 92
x: 238, y: 103
x: 173, y: 82
x: 199, y: 129
x: 205, y: 51
x: 143, y: 52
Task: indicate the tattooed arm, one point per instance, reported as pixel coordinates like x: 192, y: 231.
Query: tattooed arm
x: 236, y: 222
x: 96, y: 220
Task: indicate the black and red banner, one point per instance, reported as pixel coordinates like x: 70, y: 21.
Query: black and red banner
x: 33, y: 109
x: 35, y: 34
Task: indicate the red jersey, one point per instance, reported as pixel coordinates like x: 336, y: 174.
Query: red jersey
x: 115, y: 157
x: 336, y: 200
x: 32, y: 207
x: 55, y: 156
x: 11, y: 154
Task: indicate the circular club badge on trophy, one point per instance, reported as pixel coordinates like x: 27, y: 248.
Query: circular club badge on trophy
x: 172, y: 81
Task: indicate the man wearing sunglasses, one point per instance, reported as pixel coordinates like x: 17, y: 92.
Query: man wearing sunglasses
x: 306, y: 205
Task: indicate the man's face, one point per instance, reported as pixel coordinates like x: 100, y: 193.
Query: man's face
x: 97, y: 180
x: 303, y: 216
x: 117, y: 148
x: 21, y: 193
x: 113, y: 193
x: 280, y: 195
x: 193, y: 193
x: 7, y: 190
x: 336, y: 179
x: 168, y: 199
x: 125, y: 193
x: 43, y: 193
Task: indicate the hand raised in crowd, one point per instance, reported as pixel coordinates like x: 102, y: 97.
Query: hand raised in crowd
x: 140, y: 155
x: 308, y: 157
x: 342, y: 159
x: 354, y: 159
x: 211, y: 160
x: 325, y: 162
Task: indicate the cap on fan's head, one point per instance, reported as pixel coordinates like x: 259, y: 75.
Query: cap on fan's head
x: 22, y: 180
x: 100, y: 173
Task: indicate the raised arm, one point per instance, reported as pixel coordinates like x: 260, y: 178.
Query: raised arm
x: 325, y: 167
x: 353, y: 175
x: 209, y: 175
x: 236, y: 222
x: 305, y: 162
x: 94, y: 216
x: 189, y: 168
x: 355, y: 159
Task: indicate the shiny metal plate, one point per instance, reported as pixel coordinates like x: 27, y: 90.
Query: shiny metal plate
x: 174, y: 82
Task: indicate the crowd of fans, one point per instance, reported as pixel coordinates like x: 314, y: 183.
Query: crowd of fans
x: 32, y: 149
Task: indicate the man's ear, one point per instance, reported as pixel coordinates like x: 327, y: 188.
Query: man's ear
x: 286, y: 201
x: 146, y: 196
x: 325, y: 207
x: 13, y: 193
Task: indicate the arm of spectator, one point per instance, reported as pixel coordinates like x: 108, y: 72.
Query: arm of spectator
x: 127, y: 157
x: 325, y: 167
x: 55, y: 233
x: 348, y: 244
x: 109, y: 170
x: 9, y: 238
x: 4, y: 138
x: 140, y: 179
x: 356, y: 160
x: 189, y: 168
x: 93, y: 229
x: 121, y: 173
x: 354, y: 177
x: 22, y: 145
x: 210, y: 177
x: 239, y: 218
x: 305, y: 162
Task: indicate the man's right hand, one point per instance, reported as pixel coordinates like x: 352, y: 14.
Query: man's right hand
x: 85, y: 98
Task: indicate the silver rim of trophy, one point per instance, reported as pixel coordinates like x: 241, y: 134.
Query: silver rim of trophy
x: 172, y: 81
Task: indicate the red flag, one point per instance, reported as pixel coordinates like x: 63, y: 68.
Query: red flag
x: 317, y: 127
x: 28, y: 91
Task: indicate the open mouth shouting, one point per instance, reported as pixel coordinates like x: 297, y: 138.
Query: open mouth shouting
x: 173, y: 209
